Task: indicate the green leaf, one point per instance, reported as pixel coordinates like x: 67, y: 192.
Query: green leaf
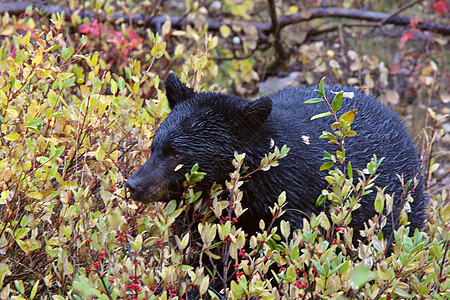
x: 314, y: 101
x: 23, y: 245
x: 291, y: 275
x: 348, y: 117
x: 349, y: 170
x: 285, y: 228
x: 121, y: 83
x: 84, y: 40
x: 361, y: 275
x: 171, y: 206
x: 372, y: 167
x: 137, y: 243
x: 34, y: 290
x: 327, y: 165
x: 197, y: 177
x: 94, y: 60
x: 116, y: 219
x: 128, y: 73
x: 186, y: 268
x: 113, y: 86
x: 271, y: 243
x: 34, y: 123
x: 59, y: 151
x: 158, y: 50
x: 19, y: 286
x: 321, y: 90
x: 325, y: 114
x: 204, y: 285
x: 67, y: 52
x: 25, y: 40
x: 380, y: 161
x: 379, y: 202
x: 194, y: 169
x: 403, y: 294
x: 319, y: 268
x: 185, y: 241
x: 295, y: 253
x: 320, y: 200
x: 243, y: 284
x: 335, y: 269
x: 24, y: 221
x: 337, y: 101
x: 52, y: 98
x: 350, y: 133
x: 408, y: 244
x: 68, y: 83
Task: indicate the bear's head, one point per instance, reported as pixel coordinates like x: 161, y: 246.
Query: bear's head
x: 204, y: 128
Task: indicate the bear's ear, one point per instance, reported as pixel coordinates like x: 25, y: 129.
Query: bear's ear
x: 252, y: 118
x: 259, y: 111
x: 176, y: 91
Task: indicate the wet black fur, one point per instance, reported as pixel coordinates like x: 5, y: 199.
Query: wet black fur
x: 207, y: 128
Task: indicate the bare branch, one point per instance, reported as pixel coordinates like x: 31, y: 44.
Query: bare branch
x: 263, y: 27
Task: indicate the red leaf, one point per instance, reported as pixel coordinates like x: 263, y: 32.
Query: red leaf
x: 84, y: 28
x: 406, y: 37
x: 92, y: 28
x: 395, y: 68
x: 441, y: 7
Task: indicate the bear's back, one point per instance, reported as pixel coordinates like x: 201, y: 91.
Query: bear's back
x: 379, y: 131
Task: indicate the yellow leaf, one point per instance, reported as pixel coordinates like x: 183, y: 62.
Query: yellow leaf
x: 85, y: 90
x: 3, y: 97
x: 5, y: 195
x: 35, y: 195
x: 100, y: 156
x: 66, y: 75
x: 225, y: 31
x: 12, y: 112
x: 167, y: 26
x: 37, y: 60
x: 52, y: 98
x: 204, y: 285
x: 12, y: 136
x: 349, y: 116
x: 8, y: 30
x: 27, y: 166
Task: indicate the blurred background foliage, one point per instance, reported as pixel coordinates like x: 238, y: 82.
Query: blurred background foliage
x: 81, y: 95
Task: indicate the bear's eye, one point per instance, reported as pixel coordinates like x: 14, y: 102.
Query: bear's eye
x: 176, y: 156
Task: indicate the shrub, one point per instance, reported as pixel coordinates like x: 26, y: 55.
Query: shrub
x: 70, y: 131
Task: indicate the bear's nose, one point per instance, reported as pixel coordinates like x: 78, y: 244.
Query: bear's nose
x: 132, y: 186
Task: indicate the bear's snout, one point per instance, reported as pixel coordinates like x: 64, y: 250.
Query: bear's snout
x: 132, y: 186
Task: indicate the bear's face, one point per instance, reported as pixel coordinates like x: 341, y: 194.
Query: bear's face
x: 204, y: 129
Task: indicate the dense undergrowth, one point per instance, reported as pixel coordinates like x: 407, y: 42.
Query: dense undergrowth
x: 77, y: 115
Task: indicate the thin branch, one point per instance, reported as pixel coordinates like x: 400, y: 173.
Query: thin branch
x: 265, y: 28
x: 403, y: 8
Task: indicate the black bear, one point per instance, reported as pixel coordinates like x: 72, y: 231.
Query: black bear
x: 207, y: 128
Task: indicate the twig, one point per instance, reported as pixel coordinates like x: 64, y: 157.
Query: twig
x: 265, y: 28
x: 403, y: 8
